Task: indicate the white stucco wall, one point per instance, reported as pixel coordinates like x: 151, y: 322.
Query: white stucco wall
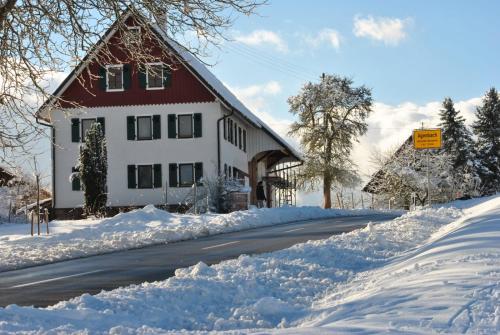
x: 122, y: 152
x: 231, y: 154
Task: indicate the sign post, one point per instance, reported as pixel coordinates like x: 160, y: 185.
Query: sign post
x: 427, y: 139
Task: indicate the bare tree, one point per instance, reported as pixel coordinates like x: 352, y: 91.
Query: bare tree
x: 402, y: 172
x: 40, y: 39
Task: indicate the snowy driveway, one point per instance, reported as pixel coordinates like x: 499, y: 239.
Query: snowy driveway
x: 47, y: 284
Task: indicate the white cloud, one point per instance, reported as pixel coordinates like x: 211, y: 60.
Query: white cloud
x: 263, y: 37
x: 257, y: 98
x: 388, y: 126
x: 327, y: 36
x: 391, y: 31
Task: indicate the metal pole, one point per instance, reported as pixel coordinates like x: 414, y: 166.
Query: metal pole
x: 428, y: 180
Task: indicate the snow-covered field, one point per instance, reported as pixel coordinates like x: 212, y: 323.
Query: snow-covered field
x: 147, y: 226
x: 430, y: 271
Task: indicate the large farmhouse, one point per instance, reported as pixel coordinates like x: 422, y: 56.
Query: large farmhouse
x: 166, y: 126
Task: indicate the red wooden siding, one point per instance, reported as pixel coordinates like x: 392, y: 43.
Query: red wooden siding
x: 184, y: 88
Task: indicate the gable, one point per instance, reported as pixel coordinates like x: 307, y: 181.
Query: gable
x: 86, y: 91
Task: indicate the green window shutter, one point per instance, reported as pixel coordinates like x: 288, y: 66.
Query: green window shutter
x: 231, y: 132
x: 198, y: 172
x: 130, y: 128
x: 156, y: 127
x: 103, y: 125
x: 157, y: 183
x: 102, y: 78
x: 235, y: 134
x: 75, y: 130
x: 239, y: 138
x: 225, y: 130
x: 167, y: 76
x: 127, y: 76
x: 131, y: 176
x: 244, y: 140
x: 142, y: 77
x: 75, y: 182
x: 171, y: 126
x: 197, y: 125
x: 172, y: 175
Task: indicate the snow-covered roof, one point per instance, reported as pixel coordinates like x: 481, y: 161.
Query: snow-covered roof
x: 215, y: 85
x: 221, y: 89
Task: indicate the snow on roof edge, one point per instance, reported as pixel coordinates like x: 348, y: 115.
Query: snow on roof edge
x: 220, y: 88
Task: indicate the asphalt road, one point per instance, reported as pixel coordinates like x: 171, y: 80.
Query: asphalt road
x: 48, y: 284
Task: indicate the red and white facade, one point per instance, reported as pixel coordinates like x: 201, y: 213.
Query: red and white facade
x: 164, y: 127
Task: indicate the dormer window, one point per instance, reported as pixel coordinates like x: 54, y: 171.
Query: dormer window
x: 154, y: 76
x: 114, y: 77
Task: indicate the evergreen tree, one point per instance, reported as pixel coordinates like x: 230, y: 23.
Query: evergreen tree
x: 458, y: 146
x: 331, y: 115
x: 457, y: 139
x: 487, y: 130
x: 93, y: 169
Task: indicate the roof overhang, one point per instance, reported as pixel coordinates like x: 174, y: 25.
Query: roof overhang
x: 194, y: 65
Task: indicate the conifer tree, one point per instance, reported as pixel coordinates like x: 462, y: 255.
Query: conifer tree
x: 93, y: 169
x: 458, y: 146
x: 487, y: 129
x: 331, y: 116
x: 457, y: 139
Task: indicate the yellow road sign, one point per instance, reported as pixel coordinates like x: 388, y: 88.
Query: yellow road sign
x: 427, y: 139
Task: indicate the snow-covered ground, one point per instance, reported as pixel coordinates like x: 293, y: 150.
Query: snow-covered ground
x: 147, y: 226
x: 429, y: 271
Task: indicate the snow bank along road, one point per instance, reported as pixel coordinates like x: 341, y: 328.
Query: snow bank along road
x: 430, y: 271
x: 138, y: 228
x: 47, y: 284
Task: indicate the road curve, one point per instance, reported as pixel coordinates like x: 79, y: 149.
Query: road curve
x: 48, y: 284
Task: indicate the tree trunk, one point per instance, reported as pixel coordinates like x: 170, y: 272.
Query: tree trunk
x: 327, y: 191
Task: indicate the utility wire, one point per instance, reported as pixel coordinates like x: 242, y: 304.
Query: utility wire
x: 271, y: 64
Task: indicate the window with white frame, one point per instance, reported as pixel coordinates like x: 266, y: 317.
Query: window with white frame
x: 186, y: 175
x: 185, y: 127
x: 114, y: 77
x: 145, y: 176
x: 144, y: 129
x: 134, y: 34
x: 154, y: 76
x: 86, y: 124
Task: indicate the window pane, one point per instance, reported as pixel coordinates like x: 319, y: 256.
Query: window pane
x: 185, y: 126
x: 186, y: 174
x: 115, y: 77
x: 144, y: 128
x: 145, y: 176
x: 155, y: 76
x: 86, y: 124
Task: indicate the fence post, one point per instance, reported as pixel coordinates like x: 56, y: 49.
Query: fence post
x: 195, y: 197
x: 47, y: 219
x: 32, y: 223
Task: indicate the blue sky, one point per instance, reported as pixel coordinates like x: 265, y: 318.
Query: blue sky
x: 448, y: 48
x: 412, y: 54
